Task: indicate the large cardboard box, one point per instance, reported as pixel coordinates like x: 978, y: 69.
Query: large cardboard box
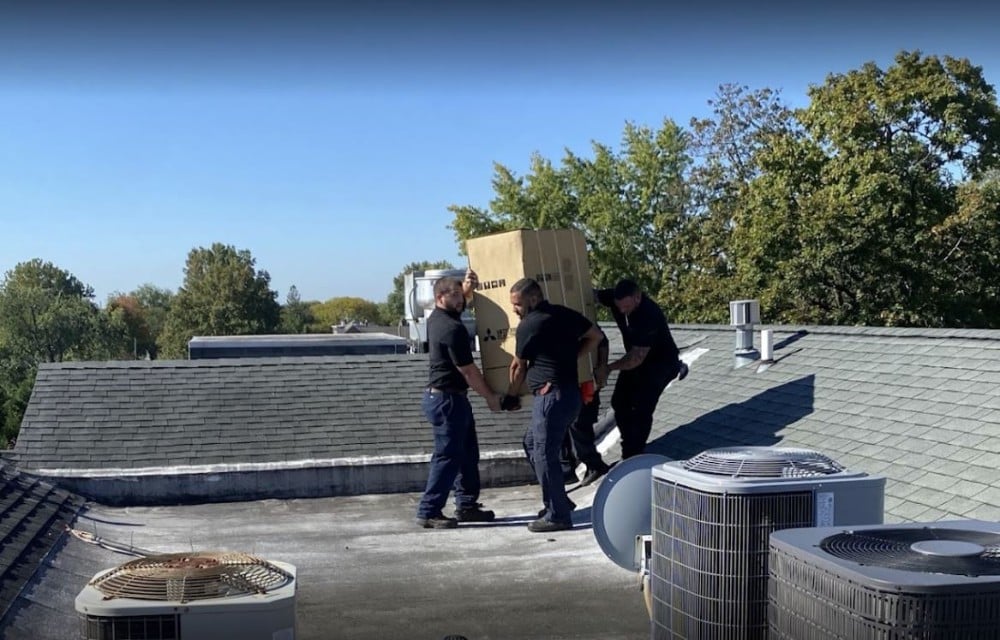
x: 556, y: 258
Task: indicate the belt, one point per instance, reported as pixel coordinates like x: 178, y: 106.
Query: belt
x: 435, y: 390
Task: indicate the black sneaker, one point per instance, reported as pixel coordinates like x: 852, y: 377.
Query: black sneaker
x: 545, y: 526
x: 593, y: 473
x: 683, y: 372
x: 475, y: 513
x: 437, y: 522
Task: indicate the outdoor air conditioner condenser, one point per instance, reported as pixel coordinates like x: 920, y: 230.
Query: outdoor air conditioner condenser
x: 190, y: 596
x: 932, y: 581
x: 712, y: 515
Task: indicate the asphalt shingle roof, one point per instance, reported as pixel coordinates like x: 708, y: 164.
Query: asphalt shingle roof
x: 919, y: 406
x: 33, y: 515
x: 100, y: 415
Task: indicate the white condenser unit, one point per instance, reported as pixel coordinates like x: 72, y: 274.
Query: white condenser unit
x: 712, y: 515
x: 196, y: 596
x: 926, y: 581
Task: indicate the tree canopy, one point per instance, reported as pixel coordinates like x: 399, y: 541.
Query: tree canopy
x: 875, y: 204
x: 222, y: 294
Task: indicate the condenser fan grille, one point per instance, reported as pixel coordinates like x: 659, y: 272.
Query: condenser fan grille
x: 183, y: 577
x: 763, y: 462
x: 927, y: 550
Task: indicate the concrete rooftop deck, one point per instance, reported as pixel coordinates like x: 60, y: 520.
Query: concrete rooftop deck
x: 367, y: 572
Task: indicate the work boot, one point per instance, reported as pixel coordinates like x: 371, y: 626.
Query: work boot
x: 545, y: 526
x: 545, y: 510
x: 475, y: 513
x: 594, y: 472
x: 439, y: 521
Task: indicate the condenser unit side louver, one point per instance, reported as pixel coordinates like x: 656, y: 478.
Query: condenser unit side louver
x: 890, y: 582
x: 195, y: 596
x: 712, y: 517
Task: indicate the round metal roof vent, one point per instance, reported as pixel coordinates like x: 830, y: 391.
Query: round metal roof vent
x: 182, y: 577
x: 763, y: 462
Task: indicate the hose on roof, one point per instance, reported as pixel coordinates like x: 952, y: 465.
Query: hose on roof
x: 117, y: 547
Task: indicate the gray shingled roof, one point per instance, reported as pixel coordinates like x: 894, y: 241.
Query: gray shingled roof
x: 245, y: 428
x: 918, y: 406
x: 33, y: 515
x: 129, y: 415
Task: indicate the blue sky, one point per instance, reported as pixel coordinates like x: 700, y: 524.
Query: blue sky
x: 329, y: 140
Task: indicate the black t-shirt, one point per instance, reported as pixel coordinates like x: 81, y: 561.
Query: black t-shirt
x: 549, y: 338
x: 448, y: 348
x: 646, y: 326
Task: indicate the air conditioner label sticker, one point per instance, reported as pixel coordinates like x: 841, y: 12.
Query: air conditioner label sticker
x: 824, y: 509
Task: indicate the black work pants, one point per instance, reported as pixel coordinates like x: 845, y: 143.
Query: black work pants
x: 634, y: 399
x: 581, y: 433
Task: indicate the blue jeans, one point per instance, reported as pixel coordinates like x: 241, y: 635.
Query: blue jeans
x: 551, y: 415
x: 455, y: 462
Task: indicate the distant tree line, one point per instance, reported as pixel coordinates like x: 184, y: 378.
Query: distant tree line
x: 876, y: 204
x: 48, y: 315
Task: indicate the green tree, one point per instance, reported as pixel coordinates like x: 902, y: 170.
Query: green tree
x: 136, y: 320
x: 46, y: 314
x: 296, y: 316
x: 155, y: 303
x: 846, y: 224
x: 392, y: 310
x: 969, y: 250
x: 16, y: 383
x: 130, y: 336
x: 341, y: 310
x: 222, y: 294
x: 725, y: 148
x: 631, y: 205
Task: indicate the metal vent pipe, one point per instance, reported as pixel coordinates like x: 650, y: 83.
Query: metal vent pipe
x: 743, y: 315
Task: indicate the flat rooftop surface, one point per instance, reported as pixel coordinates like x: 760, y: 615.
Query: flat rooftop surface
x: 366, y: 571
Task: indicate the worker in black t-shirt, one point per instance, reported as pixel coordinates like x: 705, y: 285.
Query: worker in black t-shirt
x: 455, y: 461
x: 651, y: 361
x: 549, y: 340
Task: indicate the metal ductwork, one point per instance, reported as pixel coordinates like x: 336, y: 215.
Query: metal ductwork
x: 744, y: 314
x: 419, y: 303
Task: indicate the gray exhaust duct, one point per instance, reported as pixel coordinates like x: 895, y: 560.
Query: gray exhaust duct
x: 744, y: 314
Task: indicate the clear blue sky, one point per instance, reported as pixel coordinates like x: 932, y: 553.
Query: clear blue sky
x: 329, y: 140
